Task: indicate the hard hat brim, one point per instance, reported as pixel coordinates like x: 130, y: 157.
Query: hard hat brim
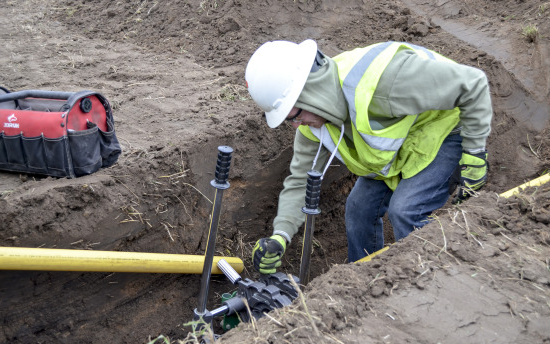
x: 306, y: 54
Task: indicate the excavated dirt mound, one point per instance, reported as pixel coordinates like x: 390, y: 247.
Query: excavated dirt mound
x: 174, y: 74
x: 479, y: 274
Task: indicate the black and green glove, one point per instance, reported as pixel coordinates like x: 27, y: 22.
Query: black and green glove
x: 267, y: 254
x: 471, y: 175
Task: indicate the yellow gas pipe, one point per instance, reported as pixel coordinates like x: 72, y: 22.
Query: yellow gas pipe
x: 49, y: 259
x: 370, y: 256
x: 535, y: 182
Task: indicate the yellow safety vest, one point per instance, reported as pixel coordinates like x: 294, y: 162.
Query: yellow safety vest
x: 398, y: 151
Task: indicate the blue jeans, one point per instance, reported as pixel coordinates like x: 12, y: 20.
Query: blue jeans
x: 408, y: 207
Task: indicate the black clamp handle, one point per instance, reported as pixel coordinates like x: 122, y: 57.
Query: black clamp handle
x: 313, y: 193
x: 222, y: 168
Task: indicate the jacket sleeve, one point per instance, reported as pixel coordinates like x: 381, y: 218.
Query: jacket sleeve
x: 421, y: 85
x: 292, y: 198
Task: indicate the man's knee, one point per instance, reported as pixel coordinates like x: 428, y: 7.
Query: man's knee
x: 401, y: 207
x: 404, y: 218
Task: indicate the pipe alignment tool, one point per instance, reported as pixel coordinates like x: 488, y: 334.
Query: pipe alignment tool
x: 220, y: 183
x: 313, y: 194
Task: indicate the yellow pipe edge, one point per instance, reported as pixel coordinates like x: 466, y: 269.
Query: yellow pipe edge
x: 370, y: 256
x: 535, y: 182
x: 50, y: 259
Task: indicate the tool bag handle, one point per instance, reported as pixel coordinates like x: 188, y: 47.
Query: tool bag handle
x: 35, y: 94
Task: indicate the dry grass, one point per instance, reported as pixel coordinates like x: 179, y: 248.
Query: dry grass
x: 531, y: 32
x: 199, y: 334
x: 232, y: 92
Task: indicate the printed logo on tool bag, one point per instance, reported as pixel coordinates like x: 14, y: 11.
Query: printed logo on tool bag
x: 11, y: 119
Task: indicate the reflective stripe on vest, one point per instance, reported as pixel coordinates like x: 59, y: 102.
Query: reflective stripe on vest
x: 357, y: 75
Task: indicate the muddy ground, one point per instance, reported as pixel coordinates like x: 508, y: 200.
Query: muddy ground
x: 174, y: 74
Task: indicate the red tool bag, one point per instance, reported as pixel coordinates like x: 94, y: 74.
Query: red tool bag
x: 60, y: 134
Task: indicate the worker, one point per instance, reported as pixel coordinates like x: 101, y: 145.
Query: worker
x: 409, y: 122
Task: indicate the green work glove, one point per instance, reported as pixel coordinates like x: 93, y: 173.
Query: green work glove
x: 473, y: 175
x: 267, y: 254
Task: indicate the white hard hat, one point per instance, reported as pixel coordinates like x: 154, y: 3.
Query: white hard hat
x: 276, y: 74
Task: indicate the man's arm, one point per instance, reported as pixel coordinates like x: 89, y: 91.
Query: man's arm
x: 420, y: 85
x: 292, y: 198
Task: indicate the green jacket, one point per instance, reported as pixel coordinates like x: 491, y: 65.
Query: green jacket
x: 409, y: 85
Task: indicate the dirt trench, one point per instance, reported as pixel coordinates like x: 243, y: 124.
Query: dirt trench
x: 173, y: 72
